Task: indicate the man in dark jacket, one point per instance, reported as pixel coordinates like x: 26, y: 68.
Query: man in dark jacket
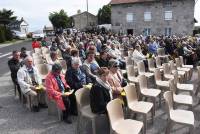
x: 14, y: 65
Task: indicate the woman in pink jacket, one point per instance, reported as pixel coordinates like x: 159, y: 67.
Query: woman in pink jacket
x: 59, y: 90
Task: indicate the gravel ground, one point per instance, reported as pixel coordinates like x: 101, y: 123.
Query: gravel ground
x: 16, y: 119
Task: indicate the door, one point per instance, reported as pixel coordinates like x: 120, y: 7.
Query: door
x: 130, y: 31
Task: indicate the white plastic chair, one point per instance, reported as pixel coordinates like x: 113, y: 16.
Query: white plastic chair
x: 118, y: 124
x: 141, y: 70
x: 177, y: 116
x: 136, y: 106
x: 149, y: 92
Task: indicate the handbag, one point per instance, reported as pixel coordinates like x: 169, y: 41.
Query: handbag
x: 124, y: 82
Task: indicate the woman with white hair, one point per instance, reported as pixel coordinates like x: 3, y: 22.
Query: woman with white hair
x: 76, y: 78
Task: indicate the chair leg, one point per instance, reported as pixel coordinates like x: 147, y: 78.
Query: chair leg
x: 77, y: 125
x: 145, y: 123
x: 154, y: 106
x: 168, y: 128
x: 93, y: 127
x: 191, y: 130
x: 160, y: 99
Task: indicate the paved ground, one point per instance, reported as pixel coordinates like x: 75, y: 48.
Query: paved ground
x: 15, y: 119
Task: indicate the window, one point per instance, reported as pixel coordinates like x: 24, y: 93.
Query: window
x: 147, y: 16
x: 129, y: 17
x: 147, y: 31
x: 168, y: 31
x: 168, y: 15
x: 167, y: 3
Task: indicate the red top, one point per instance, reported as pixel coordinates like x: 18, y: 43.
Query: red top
x: 54, y: 91
x: 36, y: 44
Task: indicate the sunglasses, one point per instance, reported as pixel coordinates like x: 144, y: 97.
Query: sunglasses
x: 116, y: 66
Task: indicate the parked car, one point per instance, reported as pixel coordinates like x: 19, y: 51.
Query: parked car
x: 52, y: 33
x: 18, y: 35
x: 37, y: 35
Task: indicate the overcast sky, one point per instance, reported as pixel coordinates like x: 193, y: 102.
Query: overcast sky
x: 36, y: 12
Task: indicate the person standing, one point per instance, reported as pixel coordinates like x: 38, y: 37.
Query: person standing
x: 14, y: 65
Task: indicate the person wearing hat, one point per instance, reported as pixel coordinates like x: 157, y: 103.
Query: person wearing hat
x: 101, y: 92
x: 59, y: 91
x: 115, y: 78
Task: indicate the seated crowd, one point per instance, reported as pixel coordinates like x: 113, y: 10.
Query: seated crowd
x: 76, y: 60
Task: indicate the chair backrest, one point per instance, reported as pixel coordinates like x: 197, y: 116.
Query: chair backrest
x: 172, y: 67
x: 172, y: 86
x: 168, y: 96
x: 36, y: 56
x: 38, y: 61
x: 115, y: 111
x: 128, y: 61
x: 161, y: 51
x: 42, y: 69
x: 142, y: 82
x: 198, y: 69
x: 48, y: 59
x: 38, y: 50
x: 59, y: 54
x: 130, y: 71
x: 82, y: 98
x: 176, y: 80
x: 151, y: 63
x: 166, y: 68
x: 141, y: 67
x: 158, y: 62
x: 157, y: 74
x: 130, y: 52
x: 178, y: 62
x: 131, y: 93
x: 181, y: 60
x: 63, y: 64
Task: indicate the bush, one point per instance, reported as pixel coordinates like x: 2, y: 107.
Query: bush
x: 2, y: 34
x: 8, y: 34
x: 29, y: 35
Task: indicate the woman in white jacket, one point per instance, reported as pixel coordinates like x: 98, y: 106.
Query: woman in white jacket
x: 28, y: 78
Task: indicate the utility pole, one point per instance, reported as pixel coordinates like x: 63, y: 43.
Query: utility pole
x: 87, y: 12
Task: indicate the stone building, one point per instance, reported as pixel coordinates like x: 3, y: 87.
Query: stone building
x: 155, y: 17
x: 80, y: 20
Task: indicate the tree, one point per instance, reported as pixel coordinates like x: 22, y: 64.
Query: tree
x: 104, y: 15
x: 6, y: 16
x: 60, y: 20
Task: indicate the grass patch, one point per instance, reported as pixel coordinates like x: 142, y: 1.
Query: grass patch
x: 12, y: 41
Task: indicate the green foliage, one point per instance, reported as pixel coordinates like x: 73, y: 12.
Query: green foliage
x: 2, y: 34
x: 104, y: 15
x: 6, y: 16
x: 8, y: 34
x: 60, y: 19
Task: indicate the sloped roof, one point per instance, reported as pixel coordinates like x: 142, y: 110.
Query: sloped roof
x: 17, y: 22
x: 83, y: 13
x: 115, y: 2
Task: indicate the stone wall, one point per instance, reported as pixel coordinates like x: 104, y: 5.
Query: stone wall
x: 182, y: 22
